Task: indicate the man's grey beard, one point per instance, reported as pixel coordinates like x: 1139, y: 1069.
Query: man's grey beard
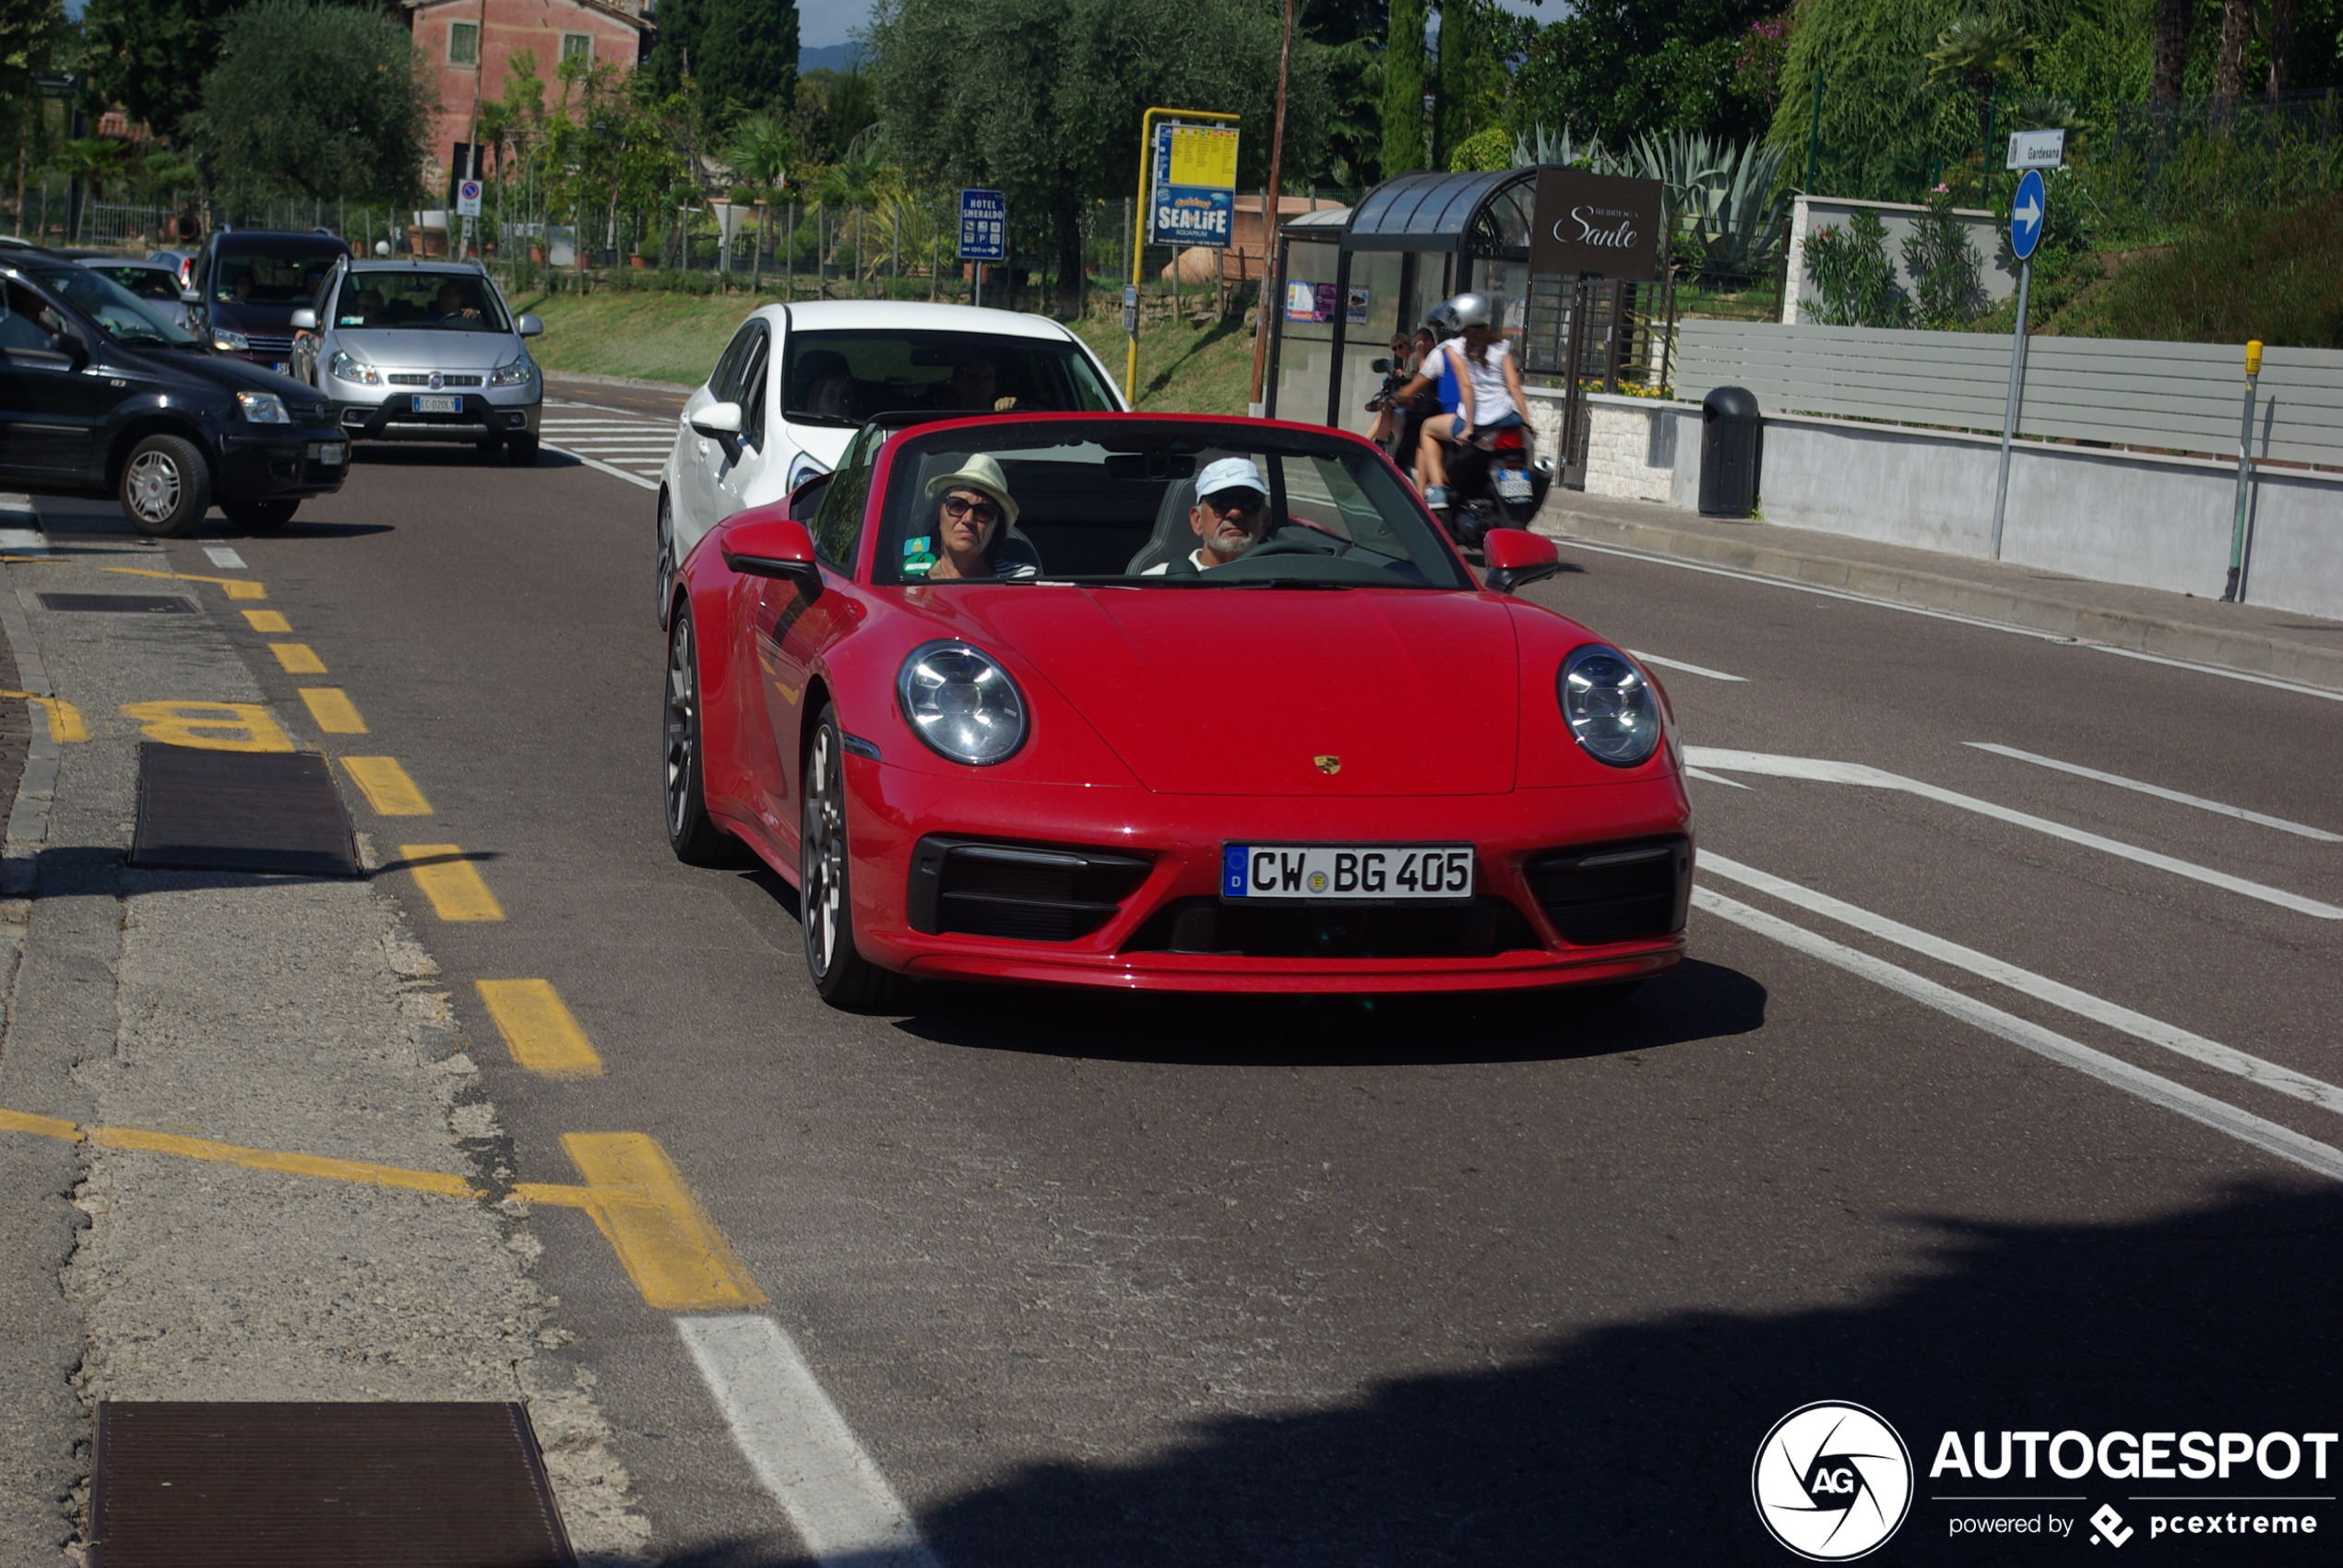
x: 1224, y: 553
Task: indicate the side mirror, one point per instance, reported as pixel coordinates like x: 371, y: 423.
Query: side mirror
x: 1517, y: 558
x: 806, y: 497
x: 1381, y: 368
x: 718, y: 421
x: 191, y: 296
x: 304, y: 320
x: 69, y: 344
x: 529, y: 326
x: 764, y: 543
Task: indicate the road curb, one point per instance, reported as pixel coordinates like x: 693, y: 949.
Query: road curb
x: 635, y: 382
x: 2248, y: 652
x: 37, y: 787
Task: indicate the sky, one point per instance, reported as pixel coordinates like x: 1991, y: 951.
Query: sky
x: 822, y: 22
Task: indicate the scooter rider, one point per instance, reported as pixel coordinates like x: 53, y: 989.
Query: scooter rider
x: 1479, y: 364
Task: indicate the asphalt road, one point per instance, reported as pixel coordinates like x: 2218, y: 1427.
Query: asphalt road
x: 1103, y: 1280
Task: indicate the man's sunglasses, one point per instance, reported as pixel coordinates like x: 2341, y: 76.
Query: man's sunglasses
x: 962, y: 507
x: 1226, y: 501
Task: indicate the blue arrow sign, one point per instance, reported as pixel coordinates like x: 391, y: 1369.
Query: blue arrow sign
x: 2026, y: 215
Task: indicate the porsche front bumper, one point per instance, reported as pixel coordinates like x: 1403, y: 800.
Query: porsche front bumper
x: 1514, y: 938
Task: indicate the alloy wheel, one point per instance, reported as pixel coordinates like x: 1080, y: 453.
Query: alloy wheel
x: 822, y: 865
x: 683, y: 730
x: 153, y: 486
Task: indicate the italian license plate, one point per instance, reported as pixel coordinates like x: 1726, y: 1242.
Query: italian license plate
x: 1512, y: 484
x: 329, y: 453
x: 1374, y: 873
x: 447, y: 404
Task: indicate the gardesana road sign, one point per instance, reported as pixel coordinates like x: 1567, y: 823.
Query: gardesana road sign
x: 2026, y: 215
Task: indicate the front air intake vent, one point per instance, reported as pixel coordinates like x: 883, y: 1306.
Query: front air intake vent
x: 1031, y: 893
x: 1614, y: 892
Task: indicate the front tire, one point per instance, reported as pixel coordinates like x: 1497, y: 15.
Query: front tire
x: 825, y: 885
x: 521, y: 451
x: 166, y: 487
x: 691, y: 833
x: 666, y: 568
x: 260, y: 516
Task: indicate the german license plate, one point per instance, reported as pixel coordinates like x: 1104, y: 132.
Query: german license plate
x: 448, y: 405
x: 1512, y: 484
x: 283, y: 366
x: 1374, y: 873
x: 329, y: 453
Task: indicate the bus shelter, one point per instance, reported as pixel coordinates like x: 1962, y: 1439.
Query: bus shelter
x: 1527, y: 238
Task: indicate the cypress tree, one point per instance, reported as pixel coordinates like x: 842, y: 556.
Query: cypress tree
x: 1403, y: 146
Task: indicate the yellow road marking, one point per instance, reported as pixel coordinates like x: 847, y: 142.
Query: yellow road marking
x: 666, y: 1242
x: 38, y: 1126
x: 386, y: 786
x: 677, y: 1258
x: 65, y: 719
x: 333, y: 710
x: 267, y: 621
x: 238, y: 587
x: 539, y: 1029
x: 248, y: 725
x: 451, y: 882
x: 299, y: 658
x: 437, y: 1181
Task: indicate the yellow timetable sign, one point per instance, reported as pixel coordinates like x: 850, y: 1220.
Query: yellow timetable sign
x: 1204, y: 155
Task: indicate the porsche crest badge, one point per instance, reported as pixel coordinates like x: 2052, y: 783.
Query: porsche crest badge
x: 1328, y: 765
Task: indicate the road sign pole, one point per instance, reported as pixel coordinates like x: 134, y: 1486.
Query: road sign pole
x: 2009, y: 410
x: 2235, y: 592
x: 1139, y: 230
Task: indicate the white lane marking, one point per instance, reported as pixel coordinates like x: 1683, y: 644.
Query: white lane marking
x: 2160, y: 792
x: 2219, y: 1115
x: 2139, y: 1026
x: 1702, y: 773
x: 605, y: 467
x: 23, y: 538
x: 1880, y: 779
x: 1687, y: 668
x: 800, y: 1446
x: 1963, y: 619
x: 222, y: 556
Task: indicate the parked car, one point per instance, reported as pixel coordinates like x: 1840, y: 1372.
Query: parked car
x: 1324, y: 758
x: 421, y: 350
x: 98, y: 395
x: 154, y: 282
x: 182, y: 262
x: 797, y: 381
x: 248, y: 284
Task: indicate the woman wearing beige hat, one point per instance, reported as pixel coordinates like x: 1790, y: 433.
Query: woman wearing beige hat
x: 970, y: 534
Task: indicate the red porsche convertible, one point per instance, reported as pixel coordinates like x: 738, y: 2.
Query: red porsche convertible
x: 1164, y: 702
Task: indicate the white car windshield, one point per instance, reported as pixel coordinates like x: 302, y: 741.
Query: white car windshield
x: 841, y: 379
x: 1117, y: 501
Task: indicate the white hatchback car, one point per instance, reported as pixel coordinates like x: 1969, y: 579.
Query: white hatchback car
x: 797, y: 381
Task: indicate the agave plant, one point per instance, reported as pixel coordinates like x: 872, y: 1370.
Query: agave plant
x: 1541, y: 145
x: 1721, y: 197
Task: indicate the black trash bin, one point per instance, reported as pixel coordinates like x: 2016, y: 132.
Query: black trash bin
x: 1731, y: 441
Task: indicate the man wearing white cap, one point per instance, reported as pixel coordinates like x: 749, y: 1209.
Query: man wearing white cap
x: 1229, y: 516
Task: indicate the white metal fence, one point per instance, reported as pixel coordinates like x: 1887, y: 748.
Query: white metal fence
x: 2173, y: 396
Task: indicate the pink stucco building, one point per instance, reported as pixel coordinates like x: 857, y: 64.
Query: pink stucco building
x: 471, y: 44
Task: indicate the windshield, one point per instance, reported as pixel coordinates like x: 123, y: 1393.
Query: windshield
x: 843, y: 378
x: 441, y: 301
x: 270, y: 276
x: 124, y: 317
x: 146, y: 282
x: 1117, y: 502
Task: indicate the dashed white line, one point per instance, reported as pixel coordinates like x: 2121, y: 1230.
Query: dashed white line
x: 2160, y: 792
x: 800, y: 1447
x: 596, y: 463
x: 1707, y: 777
x: 1687, y: 668
x: 222, y: 556
x: 2219, y: 1115
x: 1880, y: 779
x: 2139, y: 1026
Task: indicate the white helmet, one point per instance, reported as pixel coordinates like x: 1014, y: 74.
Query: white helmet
x: 1470, y: 310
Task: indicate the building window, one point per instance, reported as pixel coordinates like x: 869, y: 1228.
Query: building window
x: 463, y: 43
x: 578, y: 46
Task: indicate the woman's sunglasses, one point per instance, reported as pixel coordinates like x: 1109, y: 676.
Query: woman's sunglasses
x: 962, y: 507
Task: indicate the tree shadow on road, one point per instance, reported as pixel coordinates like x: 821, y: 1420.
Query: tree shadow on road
x: 1633, y: 1443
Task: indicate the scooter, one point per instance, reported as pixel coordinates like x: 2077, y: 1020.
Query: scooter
x: 1494, y: 482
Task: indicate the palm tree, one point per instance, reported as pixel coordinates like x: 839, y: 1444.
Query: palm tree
x: 1976, y: 51
x: 861, y: 178
x: 763, y: 150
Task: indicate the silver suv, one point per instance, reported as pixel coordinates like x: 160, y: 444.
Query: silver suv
x: 422, y: 351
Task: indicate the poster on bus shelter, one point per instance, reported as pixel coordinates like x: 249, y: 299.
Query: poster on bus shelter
x: 1194, y: 179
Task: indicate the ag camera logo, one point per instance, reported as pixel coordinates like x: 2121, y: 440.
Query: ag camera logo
x: 1833, y: 1481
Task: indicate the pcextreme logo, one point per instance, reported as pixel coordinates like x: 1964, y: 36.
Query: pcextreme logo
x: 1833, y: 1481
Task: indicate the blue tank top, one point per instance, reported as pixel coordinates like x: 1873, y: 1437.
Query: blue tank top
x: 1451, y: 395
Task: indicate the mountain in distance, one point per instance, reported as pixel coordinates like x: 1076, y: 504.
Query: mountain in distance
x: 830, y: 57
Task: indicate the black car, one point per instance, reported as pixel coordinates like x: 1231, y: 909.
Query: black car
x: 249, y: 282
x: 99, y: 395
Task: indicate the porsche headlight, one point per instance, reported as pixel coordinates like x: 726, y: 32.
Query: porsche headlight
x: 263, y: 407
x: 962, y: 704
x: 1609, y: 705
x: 354, y: 370
x: 515, y: 372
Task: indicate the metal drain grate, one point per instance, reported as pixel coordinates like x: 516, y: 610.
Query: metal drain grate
x: 204, y: 1485
x: 120, y: 603
x: 240, y: 811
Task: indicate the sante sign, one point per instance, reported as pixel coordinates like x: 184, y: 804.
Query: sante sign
x: 1595, y: 225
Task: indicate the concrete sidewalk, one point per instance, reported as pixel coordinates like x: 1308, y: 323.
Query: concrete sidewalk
x: 2280, y: 645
